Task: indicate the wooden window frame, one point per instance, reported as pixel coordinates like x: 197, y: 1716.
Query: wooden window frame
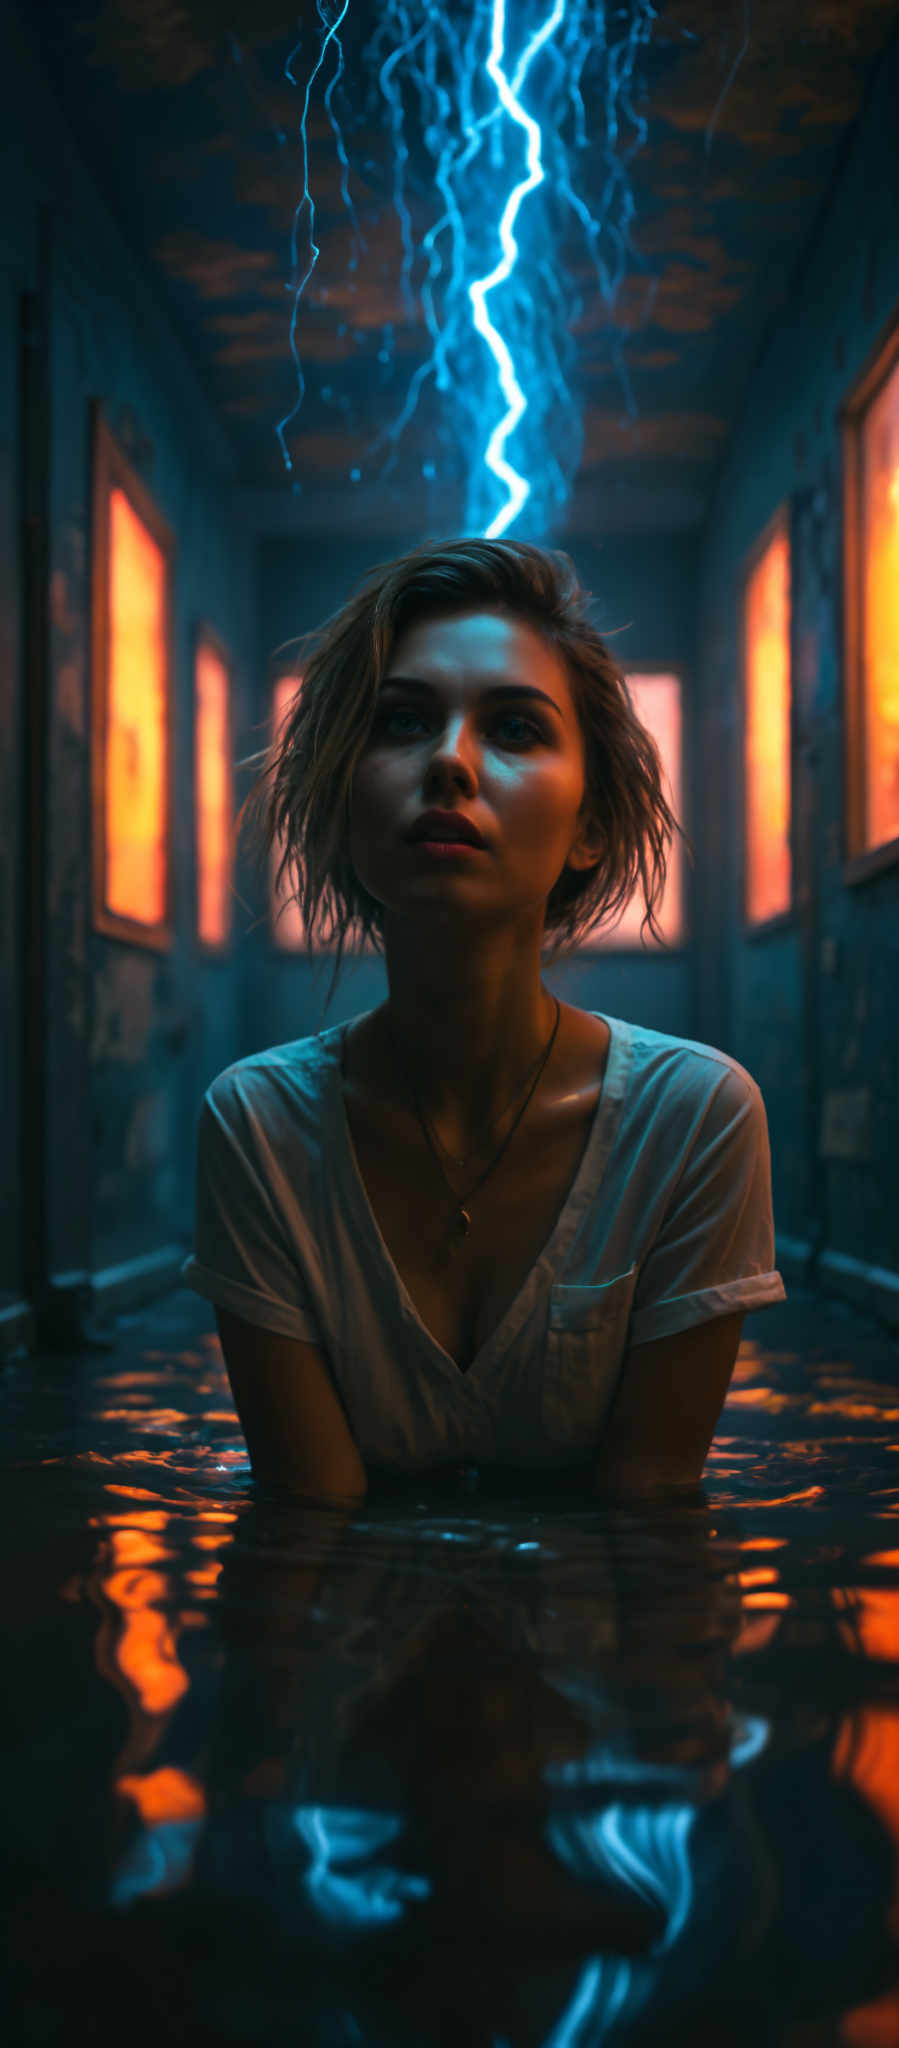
x: 111, y: 468
x: 859, y: 862
x: 206, y: 635
x: 780, y: 521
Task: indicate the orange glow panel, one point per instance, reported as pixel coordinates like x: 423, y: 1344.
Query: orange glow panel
x: 288, y: 928
x: 136, y: 723
x: 213, y: 796
x: 880, y: 612
x: 657, y: 701
x: 767, y: 739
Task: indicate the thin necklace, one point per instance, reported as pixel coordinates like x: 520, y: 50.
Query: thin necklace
x: 460, y: 1226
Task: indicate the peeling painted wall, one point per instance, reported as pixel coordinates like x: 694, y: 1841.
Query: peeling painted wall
x: 133, y: 1035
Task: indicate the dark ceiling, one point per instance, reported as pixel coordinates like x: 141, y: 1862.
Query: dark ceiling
x: 192, y: 130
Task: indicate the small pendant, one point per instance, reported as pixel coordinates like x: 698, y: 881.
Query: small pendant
x: 464, y: 1221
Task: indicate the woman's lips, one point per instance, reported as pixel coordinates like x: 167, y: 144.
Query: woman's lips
x: 445, y: 848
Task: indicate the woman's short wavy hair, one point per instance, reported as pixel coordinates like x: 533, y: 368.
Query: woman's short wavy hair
x: 301, y: 797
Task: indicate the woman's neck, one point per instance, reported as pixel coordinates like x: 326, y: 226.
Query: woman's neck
x: 467, y: 1066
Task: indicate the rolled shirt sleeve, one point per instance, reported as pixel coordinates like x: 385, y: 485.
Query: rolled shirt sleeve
x: 715, y: 1250
x: 241, y: 1259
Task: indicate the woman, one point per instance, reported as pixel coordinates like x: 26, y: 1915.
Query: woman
x: 477, y: 1226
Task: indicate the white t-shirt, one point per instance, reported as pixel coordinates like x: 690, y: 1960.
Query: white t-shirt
x: 668, y: 1221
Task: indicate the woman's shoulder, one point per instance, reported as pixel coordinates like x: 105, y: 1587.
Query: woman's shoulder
x: 274, y: 1088
x: 686, y: 1092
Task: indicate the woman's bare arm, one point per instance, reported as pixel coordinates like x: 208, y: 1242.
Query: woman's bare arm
x: 295, y: 1426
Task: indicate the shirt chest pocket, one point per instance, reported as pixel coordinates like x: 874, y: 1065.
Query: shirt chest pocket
x: 586, y: 1338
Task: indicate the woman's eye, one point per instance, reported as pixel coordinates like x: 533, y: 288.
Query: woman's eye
x: 506, y: 718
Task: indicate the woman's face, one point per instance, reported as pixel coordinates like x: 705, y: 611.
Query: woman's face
x: 456, y: 730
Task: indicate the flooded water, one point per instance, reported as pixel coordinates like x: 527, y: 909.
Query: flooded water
x: 468, y: 1765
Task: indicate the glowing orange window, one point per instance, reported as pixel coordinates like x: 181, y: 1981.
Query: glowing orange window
x: 135, y: 822
x: 766, y: 751
x: 213, y: 793
x: 657, y: 701
x: 879, y: 553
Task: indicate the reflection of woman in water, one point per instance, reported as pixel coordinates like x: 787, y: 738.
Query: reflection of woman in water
x: 477, y: 1226
x: 450, y: 1784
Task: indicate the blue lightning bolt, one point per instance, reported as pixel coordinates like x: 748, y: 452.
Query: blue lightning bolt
x: 512, y: 392
x: 306, y: 200
x: 530, y: 336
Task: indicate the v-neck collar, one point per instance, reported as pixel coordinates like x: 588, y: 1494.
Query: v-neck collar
x: 603, y: 1129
